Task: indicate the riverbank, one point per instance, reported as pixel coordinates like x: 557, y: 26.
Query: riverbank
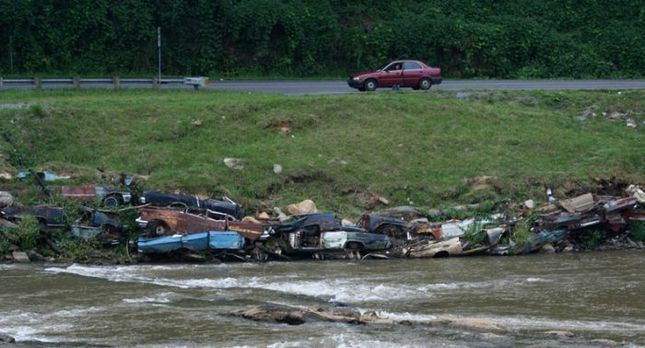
x: 450, y: 155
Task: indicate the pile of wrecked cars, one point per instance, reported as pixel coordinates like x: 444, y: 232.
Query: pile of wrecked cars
x: 170, y: 223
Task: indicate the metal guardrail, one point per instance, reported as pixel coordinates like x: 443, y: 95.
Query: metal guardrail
x: 74, y: 82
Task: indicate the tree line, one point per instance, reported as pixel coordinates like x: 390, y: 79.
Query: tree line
x: 466, y: 38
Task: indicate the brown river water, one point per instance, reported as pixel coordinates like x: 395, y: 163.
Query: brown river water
x: 599, y: 297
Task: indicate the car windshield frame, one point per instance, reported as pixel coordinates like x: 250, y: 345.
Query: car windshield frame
x: 382, y: 68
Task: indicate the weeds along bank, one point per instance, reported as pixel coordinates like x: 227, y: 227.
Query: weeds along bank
x: 348, y: 153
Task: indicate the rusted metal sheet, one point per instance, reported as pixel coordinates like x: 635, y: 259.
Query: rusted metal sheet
x: 427, y: 229
x: 620, y: 204
x: 578, y: 204
x: 450, y: 247
x: 494, y: 235
x: 169, y: 221
x: 635, y: 215
x: 78, y: 191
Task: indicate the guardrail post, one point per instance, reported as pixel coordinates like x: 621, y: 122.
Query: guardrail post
x: 116, y: 82
x: 76, y: 81
x: 155, y: 83
x: 38, y: 83
x: 1, y: 82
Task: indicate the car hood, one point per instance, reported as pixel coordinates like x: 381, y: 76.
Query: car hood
x: 362, y: 73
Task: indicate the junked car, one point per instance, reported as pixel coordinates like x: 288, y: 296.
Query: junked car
x: 226, y: 207
x: 105, y: 195
x: 48, y: 217
x: 405, y: 73
x: 314, y: 233
x: 201, y: 241
x: 164, y: 222
x: 94, y: 224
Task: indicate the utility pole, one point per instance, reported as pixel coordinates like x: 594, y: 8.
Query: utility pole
x: 159, y: 54
x: 11, y: 53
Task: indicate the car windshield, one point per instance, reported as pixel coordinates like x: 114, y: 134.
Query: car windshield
x: 384, y: 66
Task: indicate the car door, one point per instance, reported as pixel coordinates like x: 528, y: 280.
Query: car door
x: 412, y: 73
x: 391, y: 75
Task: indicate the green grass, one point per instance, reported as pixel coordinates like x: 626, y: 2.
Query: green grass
x: 412, y: 148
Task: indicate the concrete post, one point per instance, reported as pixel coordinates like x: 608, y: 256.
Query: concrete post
x: 38, y: 82
x: 155, y: 83
x: 116, y: 82
x: 76, y: 81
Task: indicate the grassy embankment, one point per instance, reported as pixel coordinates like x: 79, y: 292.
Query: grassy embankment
x: 422, y: 149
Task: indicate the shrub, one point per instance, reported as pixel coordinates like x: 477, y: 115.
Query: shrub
x: 522, y: 232
x: 592, y: 238
x: 637, y: 230
x: 28, y: 232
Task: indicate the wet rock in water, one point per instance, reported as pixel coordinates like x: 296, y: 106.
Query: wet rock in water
x: 301, y: 315
x: 605, y: 342
x: 559, y: 333
x: 35, y: 256
x: 21, y: 257
x: 6, y: 339
x: 547, y: 249
x: 475, y: 324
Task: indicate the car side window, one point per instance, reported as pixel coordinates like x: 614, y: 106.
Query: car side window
x: 393, y: 67
x: 411, y: 66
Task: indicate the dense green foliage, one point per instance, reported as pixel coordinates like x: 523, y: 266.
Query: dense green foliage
x: 467, y: 38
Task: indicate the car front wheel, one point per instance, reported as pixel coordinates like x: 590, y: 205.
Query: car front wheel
x: 424, y: 84
x: 370, y: 85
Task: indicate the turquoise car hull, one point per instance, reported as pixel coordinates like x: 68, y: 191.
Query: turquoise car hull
x: 201, y: 241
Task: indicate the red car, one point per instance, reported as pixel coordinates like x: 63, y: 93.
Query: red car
x: 405, y: 73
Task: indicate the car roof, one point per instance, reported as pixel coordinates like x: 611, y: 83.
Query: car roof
x: 407, y: 61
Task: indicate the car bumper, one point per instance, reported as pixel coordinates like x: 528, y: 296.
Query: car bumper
x: 435, y: 80
x: 141, y: 223
x: 355, y: 83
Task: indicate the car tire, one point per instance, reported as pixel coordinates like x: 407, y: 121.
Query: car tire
x: 112, y: 201
x: 425, y: 84
x: 158, y: 228
x: 370, y: 85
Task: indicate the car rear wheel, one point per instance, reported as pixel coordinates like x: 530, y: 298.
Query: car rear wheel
x: 424, y: 84
x: 370, y: 85
x: 111, y: 201
x: 158, y: 228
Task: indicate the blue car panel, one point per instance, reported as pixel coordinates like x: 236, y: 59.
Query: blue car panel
x: 200, y: 241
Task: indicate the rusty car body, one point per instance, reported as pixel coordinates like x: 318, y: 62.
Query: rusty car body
x: 167, y: 221
x: 450, y: 247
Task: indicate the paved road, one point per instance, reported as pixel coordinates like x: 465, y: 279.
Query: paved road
x: 337, y: 87
x: 332, y: 87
